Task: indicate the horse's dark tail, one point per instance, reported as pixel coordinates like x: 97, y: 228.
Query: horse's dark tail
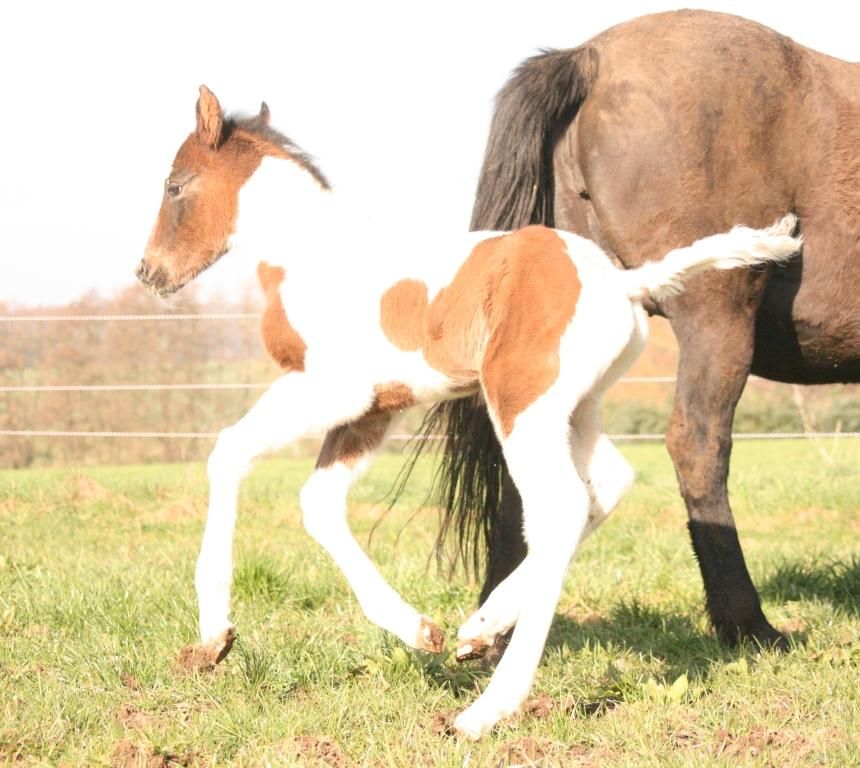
x: 515, y: 188
x: 543, y: 95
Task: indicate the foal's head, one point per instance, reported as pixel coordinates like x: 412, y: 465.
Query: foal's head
x: 201, y: 195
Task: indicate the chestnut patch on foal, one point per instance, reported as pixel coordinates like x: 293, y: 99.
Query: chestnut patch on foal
x: 349, y: 442
x: 499, y: 321
x: 281, y: 340
x: 403, y: 314
x: 392, y: 397
x: 533, y: 301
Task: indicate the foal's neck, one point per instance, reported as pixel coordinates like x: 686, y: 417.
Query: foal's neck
x: 285, y: 216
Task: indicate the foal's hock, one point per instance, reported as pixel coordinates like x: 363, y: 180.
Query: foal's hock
x: 537, y: 320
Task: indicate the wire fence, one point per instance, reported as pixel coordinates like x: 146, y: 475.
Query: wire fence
x: 180, y: 317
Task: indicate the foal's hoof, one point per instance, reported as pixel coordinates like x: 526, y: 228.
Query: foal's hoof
x: 430, y: 637
x: 467, y: 650
x: 204, y: 657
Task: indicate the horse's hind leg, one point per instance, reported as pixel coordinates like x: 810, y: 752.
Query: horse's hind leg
x: 346, y: 454
x: 716, y: 347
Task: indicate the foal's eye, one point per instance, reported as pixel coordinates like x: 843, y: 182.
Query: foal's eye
x: 174, y: 190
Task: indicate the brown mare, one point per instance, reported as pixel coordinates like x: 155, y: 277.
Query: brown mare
x: 653, y: 134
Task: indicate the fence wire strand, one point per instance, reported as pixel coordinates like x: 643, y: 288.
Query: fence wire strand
x: 652, y: 437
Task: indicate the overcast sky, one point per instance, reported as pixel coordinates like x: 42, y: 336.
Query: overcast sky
x: 393, y: 98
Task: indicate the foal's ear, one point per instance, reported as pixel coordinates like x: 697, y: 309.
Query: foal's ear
x: 264, y: 113
x: 210, y: 119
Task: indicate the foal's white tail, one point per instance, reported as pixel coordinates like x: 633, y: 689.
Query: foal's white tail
x: 742, y: 247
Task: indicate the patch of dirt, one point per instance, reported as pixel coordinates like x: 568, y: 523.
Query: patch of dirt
x: 430, y: 637
x: 525, y: 751
x: 467, y: 650
x: 318, y: 751
x: 204, y: 658
x: 196, y: 658
x: 127, y: 754
x: 542, y: 705
x: 442, y: 723
x: 131, y: 717
x: 130, y: 681
x: 82, y: 489
x: 529, y: 752
x: 778, y: 743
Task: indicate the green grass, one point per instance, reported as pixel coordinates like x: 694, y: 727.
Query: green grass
x: 96, y: 599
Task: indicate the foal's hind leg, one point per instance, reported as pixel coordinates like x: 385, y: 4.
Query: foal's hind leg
x: 600, y: 464
x: 346, y: 454
x: 556, y: 507
x: 607, y: 475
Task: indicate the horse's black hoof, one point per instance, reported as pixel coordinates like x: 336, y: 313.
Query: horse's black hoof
x: 760, y: 634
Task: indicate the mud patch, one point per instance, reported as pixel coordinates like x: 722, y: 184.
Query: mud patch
x: 127, y: 754
x: 531, y: 752
x: 442, y: 723
x: 204, y: 658
x: 82, y: 489
x: 469, y: 650
x: 318, y: 751
x: 542, y: 706
x: 130, y: 681
x: 781, y: 746
x: 526, y: 751
x: 131, y: 717
x: 196, y: 659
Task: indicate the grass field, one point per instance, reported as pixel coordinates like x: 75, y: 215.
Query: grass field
x: 96, y: 599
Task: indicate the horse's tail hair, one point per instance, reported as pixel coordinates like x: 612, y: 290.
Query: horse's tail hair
x: 542, y: 96
x: 741, y: 247
x: 515, y: 188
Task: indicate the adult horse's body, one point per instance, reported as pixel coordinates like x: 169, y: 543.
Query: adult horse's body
x: 652, y: 134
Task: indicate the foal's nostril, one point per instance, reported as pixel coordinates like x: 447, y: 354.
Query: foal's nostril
x: 140, y: 272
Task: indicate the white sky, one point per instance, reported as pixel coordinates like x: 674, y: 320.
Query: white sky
x: 393, y: 98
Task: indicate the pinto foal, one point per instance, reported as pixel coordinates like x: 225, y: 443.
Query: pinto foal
x: 365, y: 325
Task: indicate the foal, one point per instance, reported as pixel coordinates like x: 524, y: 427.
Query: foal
x: 366, y: 325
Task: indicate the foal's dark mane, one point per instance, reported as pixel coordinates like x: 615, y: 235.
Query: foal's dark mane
x: 258, y: 126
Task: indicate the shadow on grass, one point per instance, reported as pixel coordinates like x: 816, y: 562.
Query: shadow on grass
x: 675, y: 639
x: 670, y: 637
x: 834, y: 581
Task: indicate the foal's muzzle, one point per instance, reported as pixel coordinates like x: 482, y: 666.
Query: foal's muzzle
x: 155, y: 281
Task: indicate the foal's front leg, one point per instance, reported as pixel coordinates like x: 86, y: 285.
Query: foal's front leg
x: 293, y: 406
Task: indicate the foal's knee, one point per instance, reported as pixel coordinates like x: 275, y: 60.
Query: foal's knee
x: 321, y: 500
x: 227, y: 461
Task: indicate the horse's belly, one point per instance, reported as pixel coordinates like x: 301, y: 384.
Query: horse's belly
x: 810, y: 332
